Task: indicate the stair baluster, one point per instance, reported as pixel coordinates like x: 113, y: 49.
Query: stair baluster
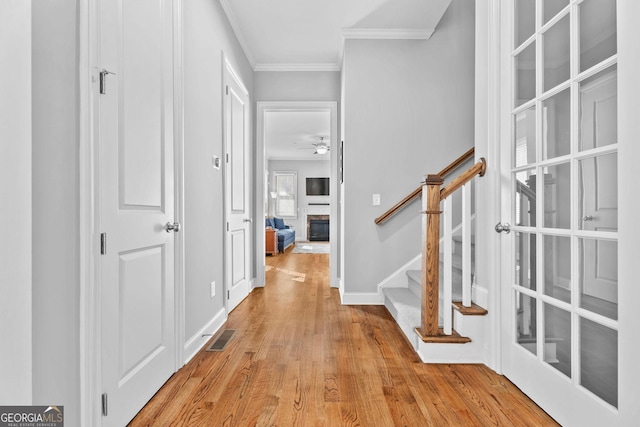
x: 466, y: 245
x: 447, y: 277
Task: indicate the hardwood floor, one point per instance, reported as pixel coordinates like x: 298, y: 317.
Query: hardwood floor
x: 299, y: 358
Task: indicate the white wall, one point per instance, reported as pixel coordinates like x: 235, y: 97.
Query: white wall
x: 15, y: 194
x: 56, y: 284
x: 409, y: 109
x: 207, y: 34
x: 304, y: 169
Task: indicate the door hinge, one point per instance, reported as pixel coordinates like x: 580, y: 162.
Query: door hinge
x: 227, y: 157
x: 228, y: 294
x: 227, y: 90
x: 227, y: 226
x: 105, y: 410
x: 103, y: 244
x: 103, y: 80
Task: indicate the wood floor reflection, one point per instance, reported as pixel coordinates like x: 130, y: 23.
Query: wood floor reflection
x: 300, y: 358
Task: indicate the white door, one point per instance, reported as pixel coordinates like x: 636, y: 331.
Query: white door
x: 559, y: 173
x: 237, y: 182
x: 136, y: 203
x: 598, y: 176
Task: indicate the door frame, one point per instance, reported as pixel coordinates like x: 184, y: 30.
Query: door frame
x: 488, y: 198
x: 296, y: 106
x: 89, y: 204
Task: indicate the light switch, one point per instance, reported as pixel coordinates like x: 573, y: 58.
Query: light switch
x: 376, y: 200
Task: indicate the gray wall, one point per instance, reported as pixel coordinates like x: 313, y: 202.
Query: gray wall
x: 15, y: 196
x: 56, y: 283
x: 304, y: 169
x: 297, y: 86
x: 409, y: 109
x: 206, y: 35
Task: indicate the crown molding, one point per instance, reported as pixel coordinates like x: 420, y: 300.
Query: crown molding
x: 299, y: 159
x: 321, y: 66
x: 387, y: 33
x: 237, y: 31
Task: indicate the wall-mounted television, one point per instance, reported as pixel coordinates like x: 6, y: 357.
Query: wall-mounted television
x: 317, y: 186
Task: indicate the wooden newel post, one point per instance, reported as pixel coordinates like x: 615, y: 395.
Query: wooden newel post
x: 431, y: 256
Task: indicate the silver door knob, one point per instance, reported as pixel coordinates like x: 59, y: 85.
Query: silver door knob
x: 172, y: 226
x: 587, y: 218
x: 503, y: 228
x: 248, y: 220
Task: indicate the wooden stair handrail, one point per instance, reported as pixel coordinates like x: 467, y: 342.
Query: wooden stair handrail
x: 527, y: 191
x: 418, y: 191
x: 457, y: 162
x: 398, y: 206
x: 477, y: 169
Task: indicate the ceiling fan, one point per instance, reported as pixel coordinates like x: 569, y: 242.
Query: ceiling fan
x: 321, y: 147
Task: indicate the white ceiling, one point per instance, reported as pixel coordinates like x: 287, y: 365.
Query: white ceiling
x: 290, y: 135
x: 310, y: 34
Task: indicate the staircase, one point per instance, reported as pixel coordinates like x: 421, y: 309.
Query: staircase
x: 435, y: 309
x: 404, y: 304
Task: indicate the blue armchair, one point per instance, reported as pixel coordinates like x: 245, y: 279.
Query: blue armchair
x: 286, y: 235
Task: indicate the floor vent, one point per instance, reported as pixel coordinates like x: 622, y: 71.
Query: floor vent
x: 223, y: 339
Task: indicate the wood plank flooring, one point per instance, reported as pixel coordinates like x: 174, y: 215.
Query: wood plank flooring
x: 299, y: 358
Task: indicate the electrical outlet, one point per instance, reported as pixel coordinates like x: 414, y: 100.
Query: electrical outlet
x: 376, y: 200
x: 213, y: 289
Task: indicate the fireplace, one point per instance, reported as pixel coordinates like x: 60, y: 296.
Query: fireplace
x: 318, y: 228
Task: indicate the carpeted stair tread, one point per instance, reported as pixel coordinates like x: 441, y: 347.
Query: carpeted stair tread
x: 458, y: 238
x: 456, y: 261
x: 415, y: 278
x: 415, y: 275
x: 404, y: 306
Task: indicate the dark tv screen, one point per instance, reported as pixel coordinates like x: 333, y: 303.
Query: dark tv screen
x: 317, y: 186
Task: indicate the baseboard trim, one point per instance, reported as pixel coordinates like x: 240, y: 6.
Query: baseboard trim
x: 361, y: 298
x: 480, y: 295
x: 200, y: 338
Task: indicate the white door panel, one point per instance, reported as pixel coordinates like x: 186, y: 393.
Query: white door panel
x: 136, y: 191
x: 238, y: 214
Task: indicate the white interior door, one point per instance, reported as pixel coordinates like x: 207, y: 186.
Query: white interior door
x: 598, y: 176
x: 136, y: 203
x: 559, y: 173
x: 237, y: 183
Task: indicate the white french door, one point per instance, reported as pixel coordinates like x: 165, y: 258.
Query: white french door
x: 559, y: 166
x: 136, y: 176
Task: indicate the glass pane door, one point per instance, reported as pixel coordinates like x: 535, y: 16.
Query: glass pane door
x: 560, y: 289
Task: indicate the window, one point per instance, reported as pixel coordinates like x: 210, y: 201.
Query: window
x: 286, y: 192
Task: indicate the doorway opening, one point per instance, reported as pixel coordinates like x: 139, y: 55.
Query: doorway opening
x: 299, y: 181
